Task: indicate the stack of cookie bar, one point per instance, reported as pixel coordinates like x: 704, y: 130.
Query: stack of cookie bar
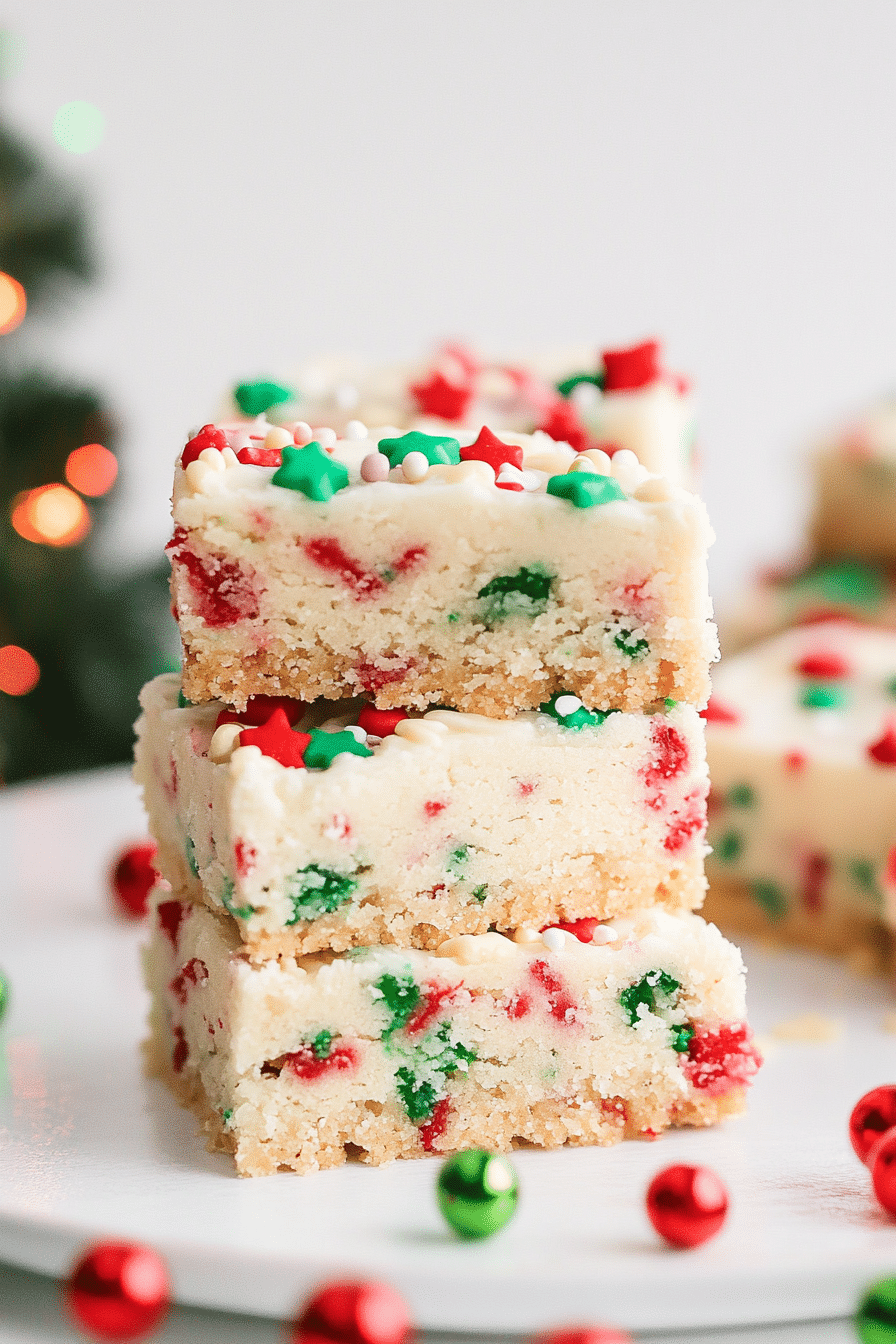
x: 802, y: 725
x: 430, y: 799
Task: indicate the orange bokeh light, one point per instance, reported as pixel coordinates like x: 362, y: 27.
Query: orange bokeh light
x: 13, y: 303
x: 52, y: 515
x: 19, y: 672
x: 91, y: 469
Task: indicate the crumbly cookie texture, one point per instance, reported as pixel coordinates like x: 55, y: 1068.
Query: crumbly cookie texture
x: 801, y: 742
x: 389, y: 1053
x: 855, y: 489
x: 623, y: 398
x: 460, y: 578
x: 447, y: 824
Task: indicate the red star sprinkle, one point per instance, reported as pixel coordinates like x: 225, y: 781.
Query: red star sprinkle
x: 563, y: 424
x: 276, y: 739
x: 259, y: 709
x: 437, y: 395
x: 823, y: 663
x: 637, y: 366
x: 884, y: 750
x: 717, y: 712
x: 489, y: 448
x: 208, y: 437
x: 583, y: 929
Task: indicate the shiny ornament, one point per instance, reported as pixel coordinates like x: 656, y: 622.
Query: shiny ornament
x: 353, y: 1312
x: 119, y: 1290
x: 687, y: 1205
x: 584, y: 1334
x: 871, y: 1117
x: 477, y: 1192
x: 875, y: 1319
x: 882, y: 1165
x: 134, y: 876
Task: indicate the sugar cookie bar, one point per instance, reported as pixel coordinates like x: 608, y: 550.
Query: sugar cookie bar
x: 855, y: 489
x: 421, y: 828
x: 390, y: 1052
x: 801, y: 742
x: 418, y: 569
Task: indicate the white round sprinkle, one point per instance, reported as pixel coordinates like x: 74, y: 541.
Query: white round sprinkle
x: 415, y: 467
x: 302, y: 432
x: 604, y: 933
x: 357, y: 732
x: 325, y: 437
x: 581, y: 464
x: 375, y: 467
x: 567, y: 704
x: 510, y: 473
x: 277, y: 438
x: 346, y: 396
x: 356, y: 430
x: 554, y: 940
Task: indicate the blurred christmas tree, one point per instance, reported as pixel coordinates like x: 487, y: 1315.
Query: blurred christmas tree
x: 75, y: 644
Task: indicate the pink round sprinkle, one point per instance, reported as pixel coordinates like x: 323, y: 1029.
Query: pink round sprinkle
x: 375, y: 467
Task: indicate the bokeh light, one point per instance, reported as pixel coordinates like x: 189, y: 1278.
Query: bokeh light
x: 78, y: 127
x: 19, y: 672
x: 52, y: 515
x: 13, y: 303
x: 91, y: 469
x: 13, y: 49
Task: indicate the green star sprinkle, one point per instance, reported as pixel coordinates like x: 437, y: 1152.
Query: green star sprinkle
x: 311, y: 471
x: 820, y: 695
x: 323, y: 748
x: 477, y: 1192
x: 579, y: 718
x: 438, y: 449
x: 584, y: 489
x: 256, y: 398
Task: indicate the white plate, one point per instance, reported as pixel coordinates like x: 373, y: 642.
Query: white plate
x: 90, y: 1148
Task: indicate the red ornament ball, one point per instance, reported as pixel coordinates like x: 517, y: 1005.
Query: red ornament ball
x: 687, y: 1205
x: 882, y: 1165
x: 584, y: 1334
x: 119, y: 1290
x: 133, y: 877
x: 871, y: 1117
x: 353, y: 1312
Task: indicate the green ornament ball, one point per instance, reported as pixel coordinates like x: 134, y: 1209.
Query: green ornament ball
x: 477, y: 1192
x: 875, y: 1320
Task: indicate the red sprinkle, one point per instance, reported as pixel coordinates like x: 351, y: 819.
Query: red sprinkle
x: 884, y: 750
x: 489, y: 448
x: 180, y: 1052
x: 525, y: 788
x: 690, y: 822
x: 636, y: 366
x: 560, y: 1002
x: 306, y: 1065
x: 134, y: 876
x: 518, y: 1005
x: 433, y: 806
x: 434, y: 1128
x: 194, y: 973
x: 562, y: 423
x: 373, y: 678
x: 208, y: 437
x: 436, y: 997
x: 329, y: 554
x: 717, y: 712
x: 814, y: 877
x: 260, y: 457
x: 795, y: 761
x: 380, y: 722
x: 276, y: 739
x: 438, y: 395
x: 171, y: 914
x: 259, y: 709
x: 583, y: 929
x: 244, y: 857
x: 823, y: 665
x: 721, y: 1058
x: 409, y: 559
x: 225, y: 591
x: 669, y: 756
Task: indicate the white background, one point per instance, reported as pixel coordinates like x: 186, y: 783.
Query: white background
x: 284, y: 177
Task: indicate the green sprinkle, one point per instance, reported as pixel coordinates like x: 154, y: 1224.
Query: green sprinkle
x: 824, y: 695
x: 183, y: 702
x: 227, y: 1116
x: 864, y: 873
x: 315, y: 891
x: 256, y: 398
x: 579, y: 718
x: 585, y: 489
x: 191, y: 856
x: 453, y: 616
x: 323, y: 748
x: 771, y: 897
x: 844, y: 583
x: 238, y: 911
x: 418, y: 1096
x: 741, y: 795
x: 656, y: 990
x: 480, y: 892
x: 438, y: 449
x: 569, y: 385
x: 310, y: 471
x: 321, y: 1043
x: 730, y: 846
x: 525, y: 593
x: 633, y: 648
x: 669, y: 703
x: 458, y: 860
x: 681, y: 1038
x: 401, y: 994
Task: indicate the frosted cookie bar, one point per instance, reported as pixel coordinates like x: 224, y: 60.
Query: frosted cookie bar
x: 486, y: 574
x: 621, y: 398
x: 855, y: 488
x: 801, y: 742
x: 391, y: 1053
x: 374, y: 827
